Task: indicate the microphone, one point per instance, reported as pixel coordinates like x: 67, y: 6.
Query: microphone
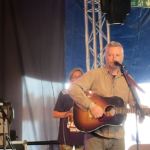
x: 118, y: 64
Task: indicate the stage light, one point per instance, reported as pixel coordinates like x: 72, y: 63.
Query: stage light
x: 115, y: 10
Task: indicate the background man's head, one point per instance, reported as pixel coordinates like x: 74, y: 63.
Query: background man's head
x: 75, y: 74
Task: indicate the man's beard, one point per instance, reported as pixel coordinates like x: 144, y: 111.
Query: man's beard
x: 112, y: 66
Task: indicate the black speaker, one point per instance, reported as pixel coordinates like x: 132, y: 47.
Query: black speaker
x: 115, y: 10
x: 105, y: 6
x: 118, y: 11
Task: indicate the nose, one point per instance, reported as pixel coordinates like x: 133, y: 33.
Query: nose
x: 114, y: 57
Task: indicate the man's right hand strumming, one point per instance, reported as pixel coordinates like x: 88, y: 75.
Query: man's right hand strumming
x: 96, y: 110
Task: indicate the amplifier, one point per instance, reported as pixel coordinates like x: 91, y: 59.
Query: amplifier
x: 6, y: 116
x: 4, y: 127
x: 17, y: 145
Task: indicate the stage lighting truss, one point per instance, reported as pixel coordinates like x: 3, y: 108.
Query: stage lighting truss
x: 97, y: 33
x: 99, y: 15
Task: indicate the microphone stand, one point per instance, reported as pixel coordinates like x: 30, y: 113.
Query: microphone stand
x: 138, y: 109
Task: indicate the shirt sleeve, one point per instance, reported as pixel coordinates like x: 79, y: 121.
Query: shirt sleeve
x: 78, y: 89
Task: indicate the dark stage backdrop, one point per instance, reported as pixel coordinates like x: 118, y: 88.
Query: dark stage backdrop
x: 32, y: 64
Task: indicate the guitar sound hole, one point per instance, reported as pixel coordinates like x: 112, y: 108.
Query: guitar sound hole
x: 110, y: 111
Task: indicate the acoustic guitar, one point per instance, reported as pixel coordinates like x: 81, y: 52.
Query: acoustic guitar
x: 114, y: 113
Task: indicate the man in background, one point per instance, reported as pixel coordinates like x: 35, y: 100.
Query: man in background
x: 69, y: 136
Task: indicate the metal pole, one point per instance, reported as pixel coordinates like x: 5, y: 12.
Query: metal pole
x: 86, y: 35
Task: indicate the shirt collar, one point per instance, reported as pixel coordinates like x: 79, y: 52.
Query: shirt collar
x: 107, y: 72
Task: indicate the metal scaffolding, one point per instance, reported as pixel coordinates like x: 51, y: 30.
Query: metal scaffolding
x: 97, y: 34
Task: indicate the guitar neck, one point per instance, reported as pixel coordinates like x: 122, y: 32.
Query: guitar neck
x: 123, y: 110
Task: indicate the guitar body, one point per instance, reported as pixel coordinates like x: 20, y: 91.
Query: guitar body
x: 84, y: 120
